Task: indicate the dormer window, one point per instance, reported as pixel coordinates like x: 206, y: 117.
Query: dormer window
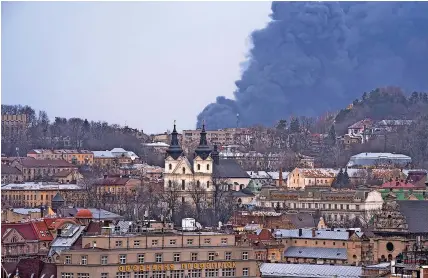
x: 170, y: 166
x: 199, y: 166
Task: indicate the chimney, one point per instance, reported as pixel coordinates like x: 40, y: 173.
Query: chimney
x: 300, y: 232
x: 58, y: 232
x: 313, y: 233
x: 105, y: 176
x: 280, y: 176
x: 42, y: 211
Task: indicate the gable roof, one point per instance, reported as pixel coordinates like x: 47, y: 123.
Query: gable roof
x: 415, y: 211
x: 9, y: 170
x: 63, y: 173
x: 228, y: 168
x: 26, y: 230
x: 111, y: 181
x: 42, y: 231
x: 302, y: 220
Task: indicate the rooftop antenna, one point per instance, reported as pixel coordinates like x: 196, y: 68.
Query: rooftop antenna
x: 237, y: 120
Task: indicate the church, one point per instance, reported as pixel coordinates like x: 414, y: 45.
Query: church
x: 206, y: 171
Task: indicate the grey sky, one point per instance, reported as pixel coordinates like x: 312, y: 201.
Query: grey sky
x: 143, y: 63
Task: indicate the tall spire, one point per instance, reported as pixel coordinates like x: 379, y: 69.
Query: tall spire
x: 174, y: 149
x: 203, y: 150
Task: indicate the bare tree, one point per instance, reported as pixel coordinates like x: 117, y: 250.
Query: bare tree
x: 170, y: 199
x: 199, y: 198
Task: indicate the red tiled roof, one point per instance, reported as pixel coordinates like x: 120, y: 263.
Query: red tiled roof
x: 265, y: 234
x: 25, y: 229
x: 42, y: 231
x: 56, y: 223
x: 30, y: 268
x: 397, y: 184
x: 9, y: 170
x: 112, y: 181
x: 45, y: 163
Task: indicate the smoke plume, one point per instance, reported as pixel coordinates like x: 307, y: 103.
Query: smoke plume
x: 319, y: 56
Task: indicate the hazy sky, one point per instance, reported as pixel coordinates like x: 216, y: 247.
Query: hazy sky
x: 143, y: 63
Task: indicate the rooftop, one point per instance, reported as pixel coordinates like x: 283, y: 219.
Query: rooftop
x: 40, y: 186
x: 307, y: 233
x: 309, y: 270
x: 381, y: 156
x: 9, y: 170
x: 316, y: 253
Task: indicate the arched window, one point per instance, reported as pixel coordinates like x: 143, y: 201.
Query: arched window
x: 208, y: 184
x: 199, y: 166
x: 208, y: 167
x: 14, y: 239
x: 184, y: 170
x: 198, y: 184
x: 170, y: 183
x: 170, y: 166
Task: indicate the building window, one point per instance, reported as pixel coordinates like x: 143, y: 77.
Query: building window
x: 170, y: 166
x: 189, y: 241
x: 84, y: 260
x: 183, y: 185
x: 154, y: 242
x: 141, y: 274
x: 199, y: 166
x: 245, y: 255
x: 158, y: 258
x: 104, y: 275
x: 211, y: 256
x: 122, y: 259
x: 245, y: 271
x: 211, y: 272
x: 224, y: 241
x: 123, y: 274
x: 208, y: 184
x: 195, y: 273
x: 67, y: 259
x: 136, y: 243
x: 357, y: 207
x: 184, y: 170
x: 198, y: 184
x: 67, y: 275
x: 170, y: 183
x: 228, y: 272
x: 118, y: 243
x: 82, y: 275
x: 228, y: 256
x: 194, y: 256
x: 177, y: 274
x: 172, y: 242
x: 176, y: 257
x: 140, y: 258
x: 207, y: 241
x: 104, y: 260
x: 208, y: 167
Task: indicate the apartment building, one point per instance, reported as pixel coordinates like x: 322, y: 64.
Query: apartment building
x: 161, y: 252
x: 13, y: 126
x: 77, y: 157
x: 335, y: 206
x: 221, y: 137
x: 32, y: 194
x: 41, y: 169
x: 10, y: 174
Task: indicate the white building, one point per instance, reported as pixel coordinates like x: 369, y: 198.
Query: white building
x: 379, y: 159
x: 206, y: 168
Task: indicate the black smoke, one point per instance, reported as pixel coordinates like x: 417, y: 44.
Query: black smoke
x: 319, y: 56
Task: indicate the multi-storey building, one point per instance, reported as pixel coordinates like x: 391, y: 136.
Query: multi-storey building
x: 157, y: 252
x: 77, y: 157
x: 35, y: 194
x: 42, y: 169
x: 221, y: 137
x: 10, y: 174
x: 115, y: 157
x: 334, y: 206
x: 13, y: 126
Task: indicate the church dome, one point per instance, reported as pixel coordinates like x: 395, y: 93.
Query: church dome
x: 84, y: 213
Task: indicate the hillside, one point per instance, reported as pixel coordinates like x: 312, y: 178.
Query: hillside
x: 73, y: 133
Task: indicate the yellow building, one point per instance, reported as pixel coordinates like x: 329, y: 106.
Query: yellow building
x: 32, y: 194
x: 77, y: 157
x: 42, y: 169
x: 300, y: 178
x: 160, y: 253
